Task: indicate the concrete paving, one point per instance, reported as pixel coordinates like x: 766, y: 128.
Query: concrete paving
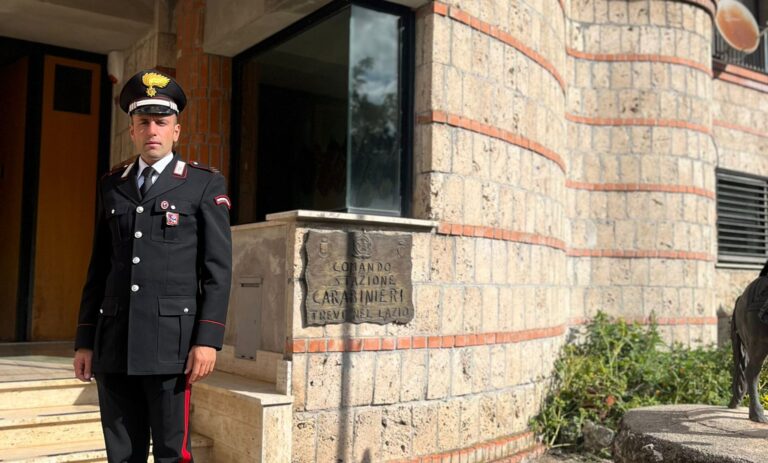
x: 690, y: 434
x: 31, y: 361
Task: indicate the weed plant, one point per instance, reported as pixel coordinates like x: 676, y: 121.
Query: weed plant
x: 619, y: 366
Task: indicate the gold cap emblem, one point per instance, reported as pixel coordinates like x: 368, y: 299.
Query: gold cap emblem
x: 152, y: 80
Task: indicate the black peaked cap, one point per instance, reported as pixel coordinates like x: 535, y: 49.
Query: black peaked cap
x: 152, y: 92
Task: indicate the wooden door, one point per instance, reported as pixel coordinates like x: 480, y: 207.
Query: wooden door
x: 66, y: 194
x: 13, y: 79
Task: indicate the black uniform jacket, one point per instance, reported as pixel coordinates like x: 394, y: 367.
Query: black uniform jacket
x: 160, y: 271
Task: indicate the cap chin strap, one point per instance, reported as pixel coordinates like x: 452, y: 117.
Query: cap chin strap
x: 152, y: 101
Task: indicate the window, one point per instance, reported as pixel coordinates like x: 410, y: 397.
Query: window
x: 742, y: 232
x: 322, y: 115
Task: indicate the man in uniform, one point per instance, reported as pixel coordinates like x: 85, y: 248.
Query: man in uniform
x: 155, y: 300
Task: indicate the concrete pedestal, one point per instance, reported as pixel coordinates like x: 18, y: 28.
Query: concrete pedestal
x: 690, y: 434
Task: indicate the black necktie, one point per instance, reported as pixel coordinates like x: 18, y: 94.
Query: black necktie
x: 147, y: 175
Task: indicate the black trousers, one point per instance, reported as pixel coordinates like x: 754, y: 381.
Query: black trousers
x: 133, y: 407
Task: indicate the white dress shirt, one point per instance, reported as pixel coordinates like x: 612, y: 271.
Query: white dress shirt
x: 158, y: 166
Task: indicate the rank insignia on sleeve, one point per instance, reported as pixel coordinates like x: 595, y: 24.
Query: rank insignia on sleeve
x: 171, y: 219
x: 223, y: 200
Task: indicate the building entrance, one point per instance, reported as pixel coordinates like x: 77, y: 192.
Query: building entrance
x: 50, y: 125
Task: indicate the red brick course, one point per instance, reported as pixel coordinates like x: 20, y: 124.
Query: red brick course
x: 480, y: 231
x: 639, y: 57
x: 535, y: 239
x: 635, y: 187
x: 483, y: 451
x: 380, y: 344
x: 740, y: 128
x: 442, y: 117
x: 654, y: 122
x: 643, y: 254
x: 741, y: 76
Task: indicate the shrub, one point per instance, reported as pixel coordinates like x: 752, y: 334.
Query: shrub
x: 620, y: 366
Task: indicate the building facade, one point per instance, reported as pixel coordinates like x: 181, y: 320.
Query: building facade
x: 545, y: 159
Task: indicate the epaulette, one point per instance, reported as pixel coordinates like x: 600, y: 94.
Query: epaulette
x: 120, y: 167
x: 197, y: 165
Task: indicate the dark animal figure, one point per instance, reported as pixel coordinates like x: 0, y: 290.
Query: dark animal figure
x: 749, y: 336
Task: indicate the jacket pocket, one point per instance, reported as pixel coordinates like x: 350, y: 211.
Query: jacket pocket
x: 106, y: 328
x: 176, y: 321
x: 173, y: 221
x: 120, y: 221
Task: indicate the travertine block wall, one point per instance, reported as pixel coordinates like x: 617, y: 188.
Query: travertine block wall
x: 458, y: 379
x: 641, y: 178
x: 567, y: 152
x: 490, y: 292
x: 740, y: 130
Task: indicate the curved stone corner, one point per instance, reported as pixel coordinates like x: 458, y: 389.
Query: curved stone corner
x: 690, y: 434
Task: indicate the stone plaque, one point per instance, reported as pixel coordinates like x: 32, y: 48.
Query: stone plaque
x: 358, y: 277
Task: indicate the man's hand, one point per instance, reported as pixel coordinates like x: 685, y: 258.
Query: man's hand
x: 200, y: 362
x: 82, y: 364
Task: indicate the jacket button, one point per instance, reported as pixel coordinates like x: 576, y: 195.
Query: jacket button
x: 186, y: 309
x: 136, y: 260
x: 101, y: 310
x: 113, y: 211
x: 140, y: 209
x: 134, y: 288
x: 138, y: 234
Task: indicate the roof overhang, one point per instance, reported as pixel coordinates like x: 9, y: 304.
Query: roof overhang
x: 232, y: 26
x: 91, y: 25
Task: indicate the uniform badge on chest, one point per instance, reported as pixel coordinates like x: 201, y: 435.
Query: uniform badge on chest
x: 164, y: 205
x: 171, y: 219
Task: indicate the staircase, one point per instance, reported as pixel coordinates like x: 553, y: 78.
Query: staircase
x: 48, y: 416
x: 57, y: 420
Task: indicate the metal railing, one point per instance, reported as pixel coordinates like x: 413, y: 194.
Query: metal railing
x: 757, y: 61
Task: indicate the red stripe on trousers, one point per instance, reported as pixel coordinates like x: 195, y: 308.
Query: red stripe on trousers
x: 186, y: 457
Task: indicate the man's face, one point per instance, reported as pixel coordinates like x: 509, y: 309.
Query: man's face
x: 153, y: 135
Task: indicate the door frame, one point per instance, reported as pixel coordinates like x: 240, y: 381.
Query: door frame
x: 36, y: 53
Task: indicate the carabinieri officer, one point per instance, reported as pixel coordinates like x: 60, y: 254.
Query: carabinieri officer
x: 155, y: 300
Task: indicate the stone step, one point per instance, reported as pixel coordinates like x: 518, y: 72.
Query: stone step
x: 46, y: 393
x: 49, y: 425
x: 91, y: 451
x: 247, y: 419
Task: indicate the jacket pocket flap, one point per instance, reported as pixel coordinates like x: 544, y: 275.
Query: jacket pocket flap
x: 177, y: 306
x: 117, y: 209
x: 109, y: 307
x: 167, y: 205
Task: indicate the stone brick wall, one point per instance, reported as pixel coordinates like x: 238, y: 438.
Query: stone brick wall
x: 641, y: 177
x: 566, y: 150
x: 740, y: 131
x: 456, y: 380
x: 489, y: 284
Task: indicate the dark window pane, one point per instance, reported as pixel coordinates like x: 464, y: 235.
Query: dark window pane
x: 294, y: 123
x: 72, y: 90
x: 321, y: 116
x: 374, y: 107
